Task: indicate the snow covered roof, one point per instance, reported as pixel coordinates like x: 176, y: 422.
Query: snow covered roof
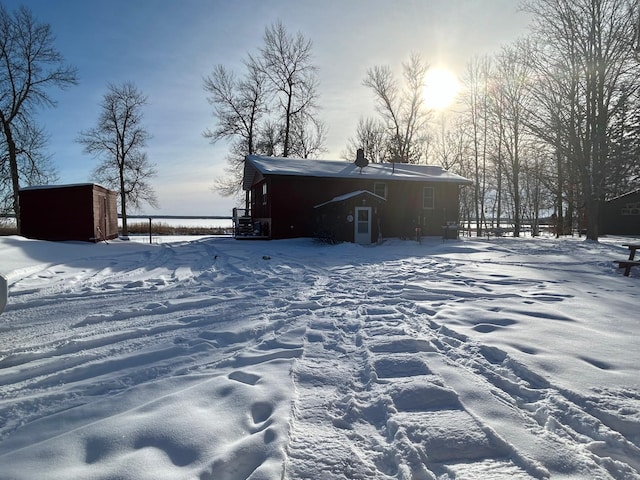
x: 69, y: 185
x: 347, y: 196
x: 632, y: 192
x: 258, y: 164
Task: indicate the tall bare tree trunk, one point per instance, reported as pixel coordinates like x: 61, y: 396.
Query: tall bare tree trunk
x: 13, y: 170
x: 559, y: 207
x: 29, y: 67
x: 123, y: 205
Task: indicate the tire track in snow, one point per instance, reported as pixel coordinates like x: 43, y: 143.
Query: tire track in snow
x: 554, y: 416
x: 415, y: 377
x: 389, y: 400
x: 572, y: 435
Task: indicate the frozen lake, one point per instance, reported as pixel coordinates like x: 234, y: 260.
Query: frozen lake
x: 171, y: 221
x: 183, y: 221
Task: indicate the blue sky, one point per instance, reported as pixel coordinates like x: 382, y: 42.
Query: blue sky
x: 166, y: 47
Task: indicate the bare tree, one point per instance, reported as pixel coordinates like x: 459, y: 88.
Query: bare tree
x: 588, y: 50
x: 34, y: 166
x: 119, y: 140
x: 623, y: 175
x: 536, y: 189
x: 29, y: 67
x: 270, y: 137
x: 307, y: 137
x: 451, y: 144
x: 371, y: 138
x: 476, y: 98
x: 513, y: 82
x: 239, y: 105
x: 286, y: 60
x: 271, y: 109
x: 402, y: 108
x: 550, y: 120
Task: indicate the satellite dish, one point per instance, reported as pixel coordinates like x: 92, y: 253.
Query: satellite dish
x: 360, y: 160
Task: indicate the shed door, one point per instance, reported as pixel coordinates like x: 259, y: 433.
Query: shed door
x: 362, y: 234
x: 103, y: 219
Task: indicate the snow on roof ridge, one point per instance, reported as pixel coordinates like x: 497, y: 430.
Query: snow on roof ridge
x: 67, y: 185
x: 345, y: 169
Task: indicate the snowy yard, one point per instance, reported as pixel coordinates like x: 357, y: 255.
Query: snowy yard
x: 219, y: 359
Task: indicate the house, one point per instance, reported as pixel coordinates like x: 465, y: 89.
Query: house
x: 621, y: 215
x: 289, y: 197
x: 86, y: 212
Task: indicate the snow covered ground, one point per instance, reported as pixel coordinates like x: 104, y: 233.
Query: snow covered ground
x: 218, y: 359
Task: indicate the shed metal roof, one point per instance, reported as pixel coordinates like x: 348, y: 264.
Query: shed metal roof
x: 68, y: 185
x: 347, y: 196
x: 257, y: 165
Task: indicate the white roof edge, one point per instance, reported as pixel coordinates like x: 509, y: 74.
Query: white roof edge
x: 637, y: 190
x: 346, y: 196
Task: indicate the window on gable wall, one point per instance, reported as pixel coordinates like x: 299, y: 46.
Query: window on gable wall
x: 380, y: 189
x: 264, y: 193
x: 428, y: 198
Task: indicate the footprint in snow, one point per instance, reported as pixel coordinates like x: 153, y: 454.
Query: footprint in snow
x: 391, y: 367
x: 244, y: 377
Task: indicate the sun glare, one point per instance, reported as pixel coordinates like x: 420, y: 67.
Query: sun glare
x: 440, y: 88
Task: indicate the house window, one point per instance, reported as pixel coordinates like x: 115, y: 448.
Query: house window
x: 264, y: 193
x: 380, y: 189
x: 428, y: 198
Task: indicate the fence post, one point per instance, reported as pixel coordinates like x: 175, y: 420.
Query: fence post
x: 3, y: 292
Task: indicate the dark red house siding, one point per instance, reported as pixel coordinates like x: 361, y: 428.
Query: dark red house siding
x: 288, y: 208
x: 86, y: 212
x: 621, y: 215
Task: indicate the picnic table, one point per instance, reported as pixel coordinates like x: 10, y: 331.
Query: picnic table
x: 632, y: 249
x: 631, y: 262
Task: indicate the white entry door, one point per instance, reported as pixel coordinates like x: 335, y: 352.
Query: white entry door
x: 363, y: 225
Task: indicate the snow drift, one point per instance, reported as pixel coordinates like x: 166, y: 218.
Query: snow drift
x: 227, y: 360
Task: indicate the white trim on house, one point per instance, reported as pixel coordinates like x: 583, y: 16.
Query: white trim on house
x: 347, y: 196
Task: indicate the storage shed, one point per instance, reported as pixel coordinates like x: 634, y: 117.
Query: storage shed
x: 86, y: 212
x: 621, y: 215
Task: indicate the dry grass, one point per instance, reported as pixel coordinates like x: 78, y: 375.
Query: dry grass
x: 160, y: 228
x: 8, y: 230
x: 157, y: 228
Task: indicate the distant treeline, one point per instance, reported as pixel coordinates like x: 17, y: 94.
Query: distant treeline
x: 142, y: 228
x: 161, y: 228
x: 8, y: 230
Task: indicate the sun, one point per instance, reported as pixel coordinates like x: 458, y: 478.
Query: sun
x: 440, y: 88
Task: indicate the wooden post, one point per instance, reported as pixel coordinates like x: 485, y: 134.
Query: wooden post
x: 4, y: 293
x: 149, y: 230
